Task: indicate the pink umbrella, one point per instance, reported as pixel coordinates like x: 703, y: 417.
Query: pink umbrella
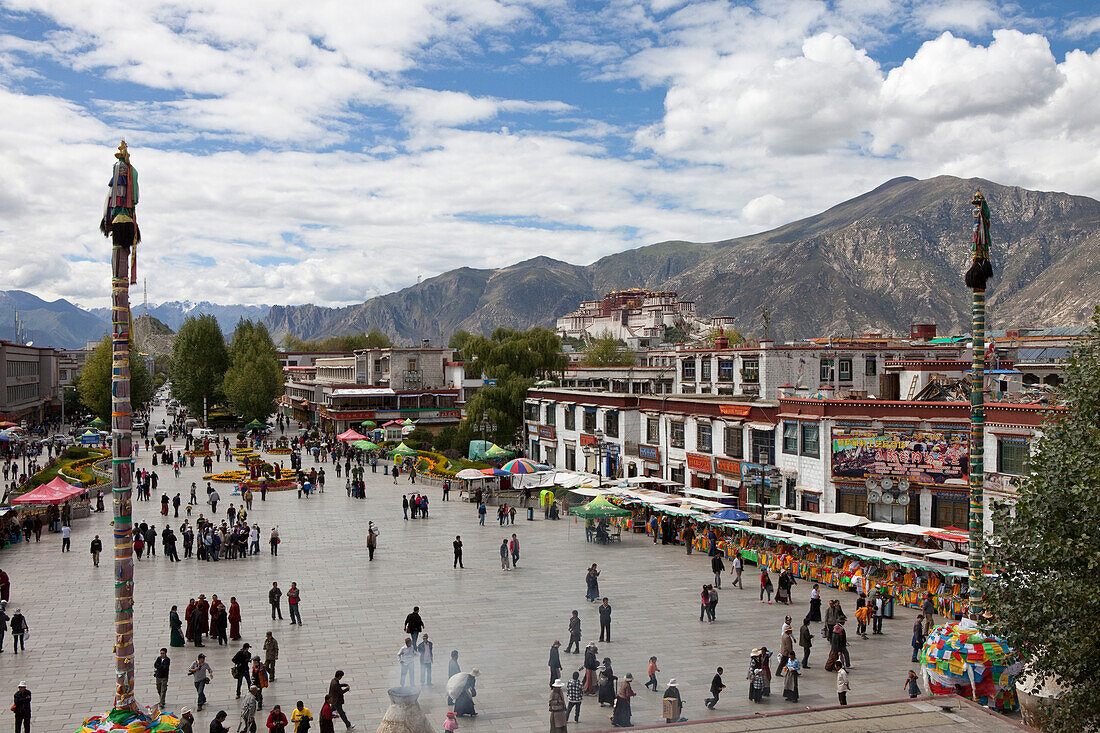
x: 350, y: 435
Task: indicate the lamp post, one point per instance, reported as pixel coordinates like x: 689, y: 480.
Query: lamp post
x: 598, y: 450
x: 63, y: 388
x: 760, y: 473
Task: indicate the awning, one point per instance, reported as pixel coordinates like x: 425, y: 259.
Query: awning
x: 363, y: 392
x: 838, y: 519
x: 765, y: 426
x: 57, y: 491
x: 708, y: 493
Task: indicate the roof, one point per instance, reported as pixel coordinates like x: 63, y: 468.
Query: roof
x: 57, y: 491
x: 363, y: 392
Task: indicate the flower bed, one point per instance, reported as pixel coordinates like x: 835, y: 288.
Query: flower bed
x: 199, y: 453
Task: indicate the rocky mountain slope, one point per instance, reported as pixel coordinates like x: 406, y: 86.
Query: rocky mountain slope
x: 880, y: 261
x: 58, y: 323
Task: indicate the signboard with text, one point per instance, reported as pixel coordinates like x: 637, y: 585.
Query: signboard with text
x: 728, y: 467
x: 649, y: 453
x: 930, y: 457
x: 735, y: 410
x: 547, y: 432
x: 699, y: 462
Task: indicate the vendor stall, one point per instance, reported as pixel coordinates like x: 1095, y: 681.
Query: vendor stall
x: 55, y: 500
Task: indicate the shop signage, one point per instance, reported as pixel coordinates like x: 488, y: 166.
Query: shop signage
x: 735, y: 410
x: 587, y: 439
x: 699, y: 462
x: 649, y: 453
x: 546, y: 431
x: 927, y: 457
x: 728, y: 467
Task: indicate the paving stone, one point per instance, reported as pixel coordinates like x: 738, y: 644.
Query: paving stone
x: 353, y: 610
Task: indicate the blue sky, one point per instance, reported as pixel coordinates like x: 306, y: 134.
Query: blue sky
x: 328, y: 152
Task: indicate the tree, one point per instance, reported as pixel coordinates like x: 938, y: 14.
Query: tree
x: 458, y: 341
x: 1045, y: 554
x: 94, y: 381
x: 515, y: 359
x: 199, y: 362
x: 254, y: 379
x: 374, y: 339
x: 606, y: 350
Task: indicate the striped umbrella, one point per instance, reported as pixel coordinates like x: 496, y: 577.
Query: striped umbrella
x: 519, y: 466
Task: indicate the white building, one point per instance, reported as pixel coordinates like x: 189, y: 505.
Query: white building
x: 638, y: 317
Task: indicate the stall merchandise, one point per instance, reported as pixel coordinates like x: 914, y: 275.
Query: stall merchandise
x: 131, y: 722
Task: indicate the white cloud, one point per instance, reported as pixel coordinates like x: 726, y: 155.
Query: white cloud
x: 764, y: 211
x: 958, y: 15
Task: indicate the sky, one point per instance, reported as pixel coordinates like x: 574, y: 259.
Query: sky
x: 327, y: 152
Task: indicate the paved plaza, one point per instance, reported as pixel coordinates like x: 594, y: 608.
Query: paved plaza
x: 353, y: 611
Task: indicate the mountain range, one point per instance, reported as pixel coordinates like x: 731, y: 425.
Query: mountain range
x: 878, y: 262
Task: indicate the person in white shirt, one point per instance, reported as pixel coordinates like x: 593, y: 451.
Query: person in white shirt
x: 66, y: 534
x: 406, y: 655
x: 842, y: 686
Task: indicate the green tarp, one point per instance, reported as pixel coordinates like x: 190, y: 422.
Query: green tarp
x: 600, y: 507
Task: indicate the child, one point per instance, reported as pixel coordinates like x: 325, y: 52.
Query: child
x: 911, y: 684
x: 189, y: 507
x: 451, y: 723
x: 653, y: 670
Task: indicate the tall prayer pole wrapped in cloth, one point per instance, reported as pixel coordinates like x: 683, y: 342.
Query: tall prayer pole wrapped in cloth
x: 120, y: 224
x: 976, y: 277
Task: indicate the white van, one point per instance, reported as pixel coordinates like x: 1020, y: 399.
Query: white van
x: 200, y: 433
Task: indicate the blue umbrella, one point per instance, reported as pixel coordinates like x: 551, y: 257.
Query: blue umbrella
x: 734, y: 515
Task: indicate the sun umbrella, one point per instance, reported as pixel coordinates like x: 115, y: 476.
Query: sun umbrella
x: 495, y: 451
x: 469, y: 473
x: 97, y: 423
x: 735, y: 515
x: 368, y: 424
x: 403, y: 450
x: 256, y: 424
x: 600, y: 507
x: 407, y: 421
x: 350, y: 435
x: 494, y: 472
x: 519, y: 465
x: 4, y: 437
x: 364, y: 445
x: 7, y: 424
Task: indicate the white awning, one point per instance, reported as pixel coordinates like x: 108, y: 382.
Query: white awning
x: 839, y: 519
x: 707, y: 493
x: 363, y: 392
x: 768, y: 427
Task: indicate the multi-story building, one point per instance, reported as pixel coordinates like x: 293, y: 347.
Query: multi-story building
x: 28, y: 381
x: 638, y: 317
x: 382, y: 385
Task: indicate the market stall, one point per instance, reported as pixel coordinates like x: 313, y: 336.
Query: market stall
x: 55, y: 500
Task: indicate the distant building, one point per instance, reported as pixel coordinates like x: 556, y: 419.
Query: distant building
x: 383, y: 385
x: 28, y: 381
x: 638, y: 317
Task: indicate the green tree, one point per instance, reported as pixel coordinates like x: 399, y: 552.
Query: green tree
x: 606, y: 350
x: 1045, y: 554
x: 94, y: 381
x: 254, y: 379
x: 199, y: 362
x: 515, y: 359
x: 458, y: 341
x: 374, y: 339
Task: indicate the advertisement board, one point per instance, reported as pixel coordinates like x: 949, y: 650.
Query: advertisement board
x: 728, y: 467
x: 699, y: 462
x: 649, y: 453
x: 929, y: 457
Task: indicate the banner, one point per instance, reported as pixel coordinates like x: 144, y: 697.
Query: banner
x: 699, y: 462
x: 931, y: 457
x: 649, y: 453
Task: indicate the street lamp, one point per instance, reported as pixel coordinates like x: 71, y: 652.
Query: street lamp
x: 486, y: 425
x: 598, y: 450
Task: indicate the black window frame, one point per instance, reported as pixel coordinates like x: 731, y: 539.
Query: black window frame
x: 815, y: 452
x: 738, y: 444
x: 790, y: 437
x: 700, y: 429
x: 676, y: 433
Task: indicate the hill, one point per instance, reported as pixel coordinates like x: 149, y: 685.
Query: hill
x: 880, y: 261
x: 57, y: 323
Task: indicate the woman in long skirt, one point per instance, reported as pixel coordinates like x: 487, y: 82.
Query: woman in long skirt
x: 607, y: 684
x: 621, y: 716
x: 790, y: 681
x: 815, y: 604
x: 174, y: 626
x: 190, y: 630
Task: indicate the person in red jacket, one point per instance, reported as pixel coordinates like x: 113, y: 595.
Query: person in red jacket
x: 234, y: 619
x: 276, y: 721
x: 327, y: 715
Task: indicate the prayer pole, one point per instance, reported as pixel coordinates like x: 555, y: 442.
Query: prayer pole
x: 976, y: 277
x: 120, y: 223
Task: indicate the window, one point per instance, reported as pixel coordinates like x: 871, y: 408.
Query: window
x: 652, y: 430
x: 826, y: 370
x: 852, y: 504
x: 611, y: 423
x: 688, y: 370
x: 570, y: 459
x: 790, y: 437
x: 870, y: 366
x: 551, y: 415
x: 770, y: 493
x: 676, y: 474
x: 750, y: 371
x: 676, y: 438
x: 734, y: 446
x: 725, y: 370
x: 589, y: 419
x: 950, y: 512
x: 763, y: 447
x: 702, y: 437
x: 412, y: 365
x: 810, y: 443
x: 570, y: 417
x: 845, y: 370
x: 531, y: 412
x: 704, y: 373
x: 1013, y: 455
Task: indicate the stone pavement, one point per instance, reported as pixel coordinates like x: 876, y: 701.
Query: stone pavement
x: 353, y: 611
